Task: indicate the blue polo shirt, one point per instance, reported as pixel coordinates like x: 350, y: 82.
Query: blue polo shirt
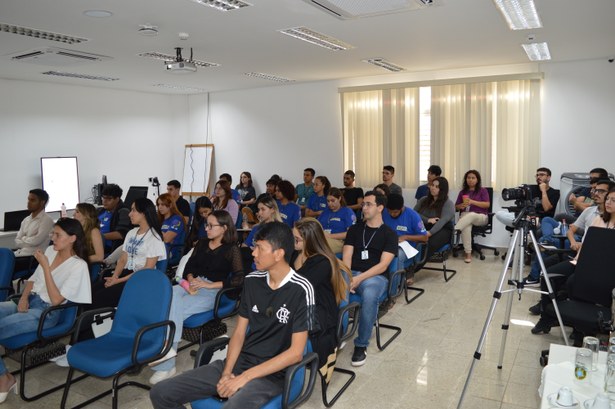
x: 317, y: 203
x: 337, y: 222
x: 407, y: 223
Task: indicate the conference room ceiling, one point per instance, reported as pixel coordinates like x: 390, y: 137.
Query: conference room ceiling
x: 450, y: 34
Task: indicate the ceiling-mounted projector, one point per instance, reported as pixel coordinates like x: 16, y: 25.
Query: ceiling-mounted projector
x: 180, y: 66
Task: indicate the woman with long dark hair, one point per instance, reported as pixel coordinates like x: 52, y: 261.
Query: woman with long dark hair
x: 87, y: 215
x: 202, y: 209
x: 473, y: 206
x: 172, y: 226
x: 142, y: 249
x: 223, y: 199
x: 62, y: 275
x: 336, y: 219
x: 214, y: 263
x: 438, y: 214
x: 317, y: 203
x: 315, y: 260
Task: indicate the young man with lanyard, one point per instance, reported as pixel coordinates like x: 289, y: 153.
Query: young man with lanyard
x: 406, y: 223
x: 277, y: 305
x: 113, y: 217
x: 306, y: 189
x: 369, y: 248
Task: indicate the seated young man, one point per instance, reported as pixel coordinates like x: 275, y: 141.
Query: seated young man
x: 35, y: 230
x: 407, y: 224
x: 277, y: 306
x: 369, y: 248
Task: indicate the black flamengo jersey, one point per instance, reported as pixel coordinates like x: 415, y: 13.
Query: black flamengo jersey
x: 273, y: 316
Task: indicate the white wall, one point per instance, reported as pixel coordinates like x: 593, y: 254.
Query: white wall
x: 128, y: 136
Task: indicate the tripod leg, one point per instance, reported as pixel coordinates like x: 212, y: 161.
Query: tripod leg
x: 505, y: 326
x: 497, y: 294
x: 545, y: 276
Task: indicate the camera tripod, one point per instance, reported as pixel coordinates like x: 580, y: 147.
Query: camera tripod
x: 514, y: 255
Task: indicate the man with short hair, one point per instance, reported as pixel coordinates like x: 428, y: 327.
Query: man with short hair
x: 34, y: 230
x: 433, y: 172
x: 583, y: 200
x: 277, y: 305
x: 234, y: 192
x: 113, y: 218
x: 388, y: 173
x: 353, y: 195
x: 173, y: 188
x: 369, y: 248
x: 306, y: 189
x: 406, y: 223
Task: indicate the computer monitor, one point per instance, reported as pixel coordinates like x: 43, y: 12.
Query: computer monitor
x: 134, y: 192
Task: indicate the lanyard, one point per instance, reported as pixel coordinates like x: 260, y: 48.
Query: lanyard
x: 371, y: 238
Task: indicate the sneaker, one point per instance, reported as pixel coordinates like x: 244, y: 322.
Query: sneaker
x: 359, y: 356
x: 531, y: 282
x: 162, y: 375
x: 536, y: 309
x: 543, y: 325
x: 171, y: 354
x: 61, y: 360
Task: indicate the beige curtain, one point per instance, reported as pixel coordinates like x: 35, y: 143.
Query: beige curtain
x: 381, y: 128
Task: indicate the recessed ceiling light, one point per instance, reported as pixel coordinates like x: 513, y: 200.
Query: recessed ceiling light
x: 223, y: 5
x: 180, y: 88
x: 519, y: 14
x: 80, y: 76
x: 98, y: 13
x: 269, y: 77
x: 45, y: 35
x: 382, y: 63
x: 537, y: 51
x: 314, y: 37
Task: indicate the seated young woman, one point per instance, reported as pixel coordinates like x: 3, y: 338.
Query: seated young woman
x: 336, y: 219
x: 438, y: 215
x: 223, y: 199
x: 62, y: 275
x: 315, y: 260
x: 317, y: 203
x: 86, y: 214
x: 267, y: 212
x: 172, y: 226
x: 214, y: 263
x: 247, y: 196
x: 285, y: 195
x: 142, y: 248
x: 473, y: 206
x: 202, y: 209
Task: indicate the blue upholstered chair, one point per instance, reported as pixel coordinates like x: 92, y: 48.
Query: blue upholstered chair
x: 295, y: 390
x: 137, y: 337
x: 441, y: 256
x: 7, y: 264
x: 30, y: 341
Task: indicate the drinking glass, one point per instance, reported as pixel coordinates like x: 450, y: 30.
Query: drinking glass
x: 593, y: 344
x: 582, y: 363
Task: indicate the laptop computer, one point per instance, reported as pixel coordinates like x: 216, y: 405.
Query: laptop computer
x: 12, y: 220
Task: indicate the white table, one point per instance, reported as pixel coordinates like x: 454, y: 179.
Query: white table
x: 560, y: 372
x: 7, y: 239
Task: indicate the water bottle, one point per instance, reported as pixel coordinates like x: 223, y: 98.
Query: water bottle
x: 564, y: 228
x: 63, y: 211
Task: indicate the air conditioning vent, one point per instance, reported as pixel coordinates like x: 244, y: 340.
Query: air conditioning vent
x: 353, y: 9
x: 57, y: 57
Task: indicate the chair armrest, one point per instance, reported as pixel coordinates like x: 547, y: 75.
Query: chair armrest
x: 310, y: 359
x: 207, y: 349
x: 352, y: 324
x: 88, y: 315
x: 219, y: 300
x: 146, y: 328
x: 49, y: 310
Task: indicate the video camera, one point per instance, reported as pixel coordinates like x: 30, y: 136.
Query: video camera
x: 521, y: 193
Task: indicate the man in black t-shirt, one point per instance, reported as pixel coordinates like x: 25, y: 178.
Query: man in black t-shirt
x: 173, y: 188
x: 277, y: 305
x: 369, y: 248
x: 353, y: 195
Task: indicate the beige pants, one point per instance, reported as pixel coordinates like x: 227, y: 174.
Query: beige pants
x: 465, y: 223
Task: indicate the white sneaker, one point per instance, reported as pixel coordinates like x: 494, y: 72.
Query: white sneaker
x: 62, y: 360
x: 162, y: 375
x: 171, y: 354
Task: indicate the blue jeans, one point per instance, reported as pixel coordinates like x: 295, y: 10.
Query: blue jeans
x: 14, y: 323
x: 183, y: 305
x: 371, y: 291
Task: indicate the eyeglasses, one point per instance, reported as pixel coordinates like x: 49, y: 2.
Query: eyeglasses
x: 599, y: 191
x: 211, y: 226
x: 367, y: 204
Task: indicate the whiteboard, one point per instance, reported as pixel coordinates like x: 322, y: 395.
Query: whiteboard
x: 61, y: 181
x: 197, y: 169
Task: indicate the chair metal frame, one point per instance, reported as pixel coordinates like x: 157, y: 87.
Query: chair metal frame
x: 395, y: 288
x: 442, y: 256
x: 422, y: 248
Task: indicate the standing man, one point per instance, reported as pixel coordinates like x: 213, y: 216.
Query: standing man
x: 34, y: 230
x: 433, y: 172
x: 352, y: 195
x: 369, y: 248
x: 173, y: 188
x: 406, y: 223
x: 388, y: 173
x: 277, y: 305
x: 113, y: 217
x: 306, y: 189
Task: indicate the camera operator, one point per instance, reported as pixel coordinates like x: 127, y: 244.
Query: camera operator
x: 544, y: 196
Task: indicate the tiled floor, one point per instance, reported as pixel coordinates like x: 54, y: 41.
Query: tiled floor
x: 425, y: 367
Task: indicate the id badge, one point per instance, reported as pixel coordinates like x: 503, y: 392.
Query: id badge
x: 364, y: 255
